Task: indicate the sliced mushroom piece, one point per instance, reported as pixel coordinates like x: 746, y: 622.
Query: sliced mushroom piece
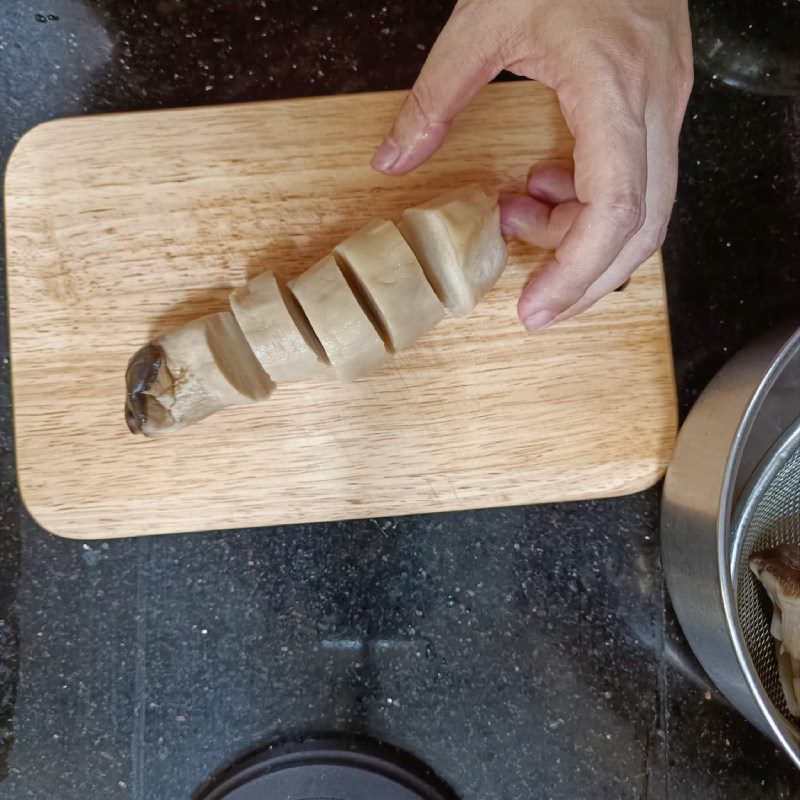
x: 457, y: 239
x: 391, y: 281
x: 277, y: 329
x: 191, y: 372
x: 778, y: 570
x: 342, y: 325
x: 789, y: 676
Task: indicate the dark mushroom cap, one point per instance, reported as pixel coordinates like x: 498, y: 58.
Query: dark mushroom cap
x: 782, y: 561
x: 142, y: 372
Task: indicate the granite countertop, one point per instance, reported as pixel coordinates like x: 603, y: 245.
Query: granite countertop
x: 523, y: 653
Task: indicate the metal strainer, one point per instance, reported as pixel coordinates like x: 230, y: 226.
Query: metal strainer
x: 733, y: 488
x: 768, y: 515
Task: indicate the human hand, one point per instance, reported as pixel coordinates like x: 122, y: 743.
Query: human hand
x: 622, y: 71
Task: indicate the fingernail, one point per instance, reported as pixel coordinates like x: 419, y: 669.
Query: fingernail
x: 539, y: 320
x: 509, y: 213
x: 386, y: 155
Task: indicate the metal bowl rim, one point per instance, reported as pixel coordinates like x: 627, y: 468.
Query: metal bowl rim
x: 772, y: 463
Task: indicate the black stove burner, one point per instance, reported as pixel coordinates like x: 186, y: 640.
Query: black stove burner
x: 328, y: 768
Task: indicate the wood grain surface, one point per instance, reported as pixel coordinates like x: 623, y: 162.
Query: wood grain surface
x: 121, y: 227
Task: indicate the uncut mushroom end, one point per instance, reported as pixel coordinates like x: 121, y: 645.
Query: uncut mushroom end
x: 189, y: 374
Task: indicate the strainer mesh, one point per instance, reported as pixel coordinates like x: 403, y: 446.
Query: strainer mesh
x: 775, y: 520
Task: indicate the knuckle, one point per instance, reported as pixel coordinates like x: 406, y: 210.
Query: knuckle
x: 626, y: 207
x: 632, y: 53
x: 422, y: 99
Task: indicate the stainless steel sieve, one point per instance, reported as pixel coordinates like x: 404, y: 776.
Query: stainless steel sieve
x: 768, y: 515
x: 734, y: 488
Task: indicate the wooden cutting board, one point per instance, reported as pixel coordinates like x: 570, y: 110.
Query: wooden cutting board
x: 121, y: 227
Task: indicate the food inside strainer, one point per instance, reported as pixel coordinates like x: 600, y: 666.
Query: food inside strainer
x: 778, y: 569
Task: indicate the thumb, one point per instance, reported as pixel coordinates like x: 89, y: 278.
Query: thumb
x: 535, y: 222
x: 460, y: 63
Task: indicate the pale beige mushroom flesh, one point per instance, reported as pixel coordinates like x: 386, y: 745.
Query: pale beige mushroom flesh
x: 277, y: 330
x: 190, y: 373
x: 352, y: 344
x: 392, y: 282
x: 457, y: 239
x: 374, y: 295
x: 778, y: 570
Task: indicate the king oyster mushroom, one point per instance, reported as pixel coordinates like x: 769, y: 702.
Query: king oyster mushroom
x: 778, y: 569
x: 351, y: 313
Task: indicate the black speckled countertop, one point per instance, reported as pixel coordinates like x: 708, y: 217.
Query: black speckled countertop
x: 524, y: 653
